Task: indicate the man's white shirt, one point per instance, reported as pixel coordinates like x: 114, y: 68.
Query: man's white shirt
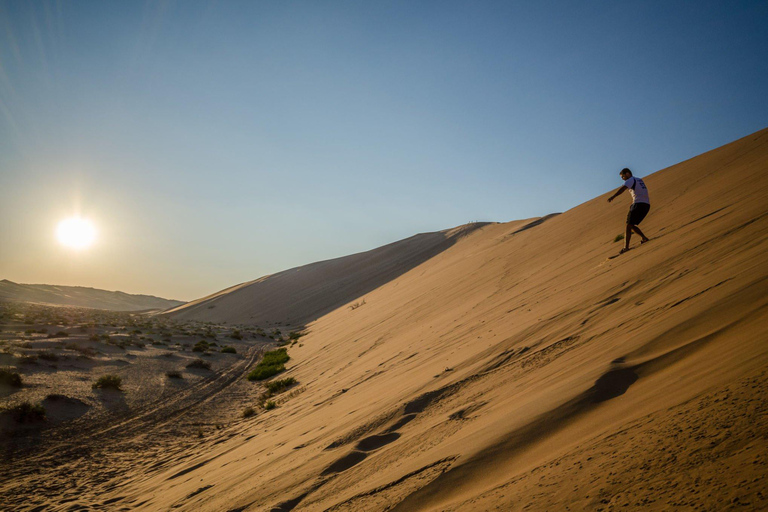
x: 638, y: 190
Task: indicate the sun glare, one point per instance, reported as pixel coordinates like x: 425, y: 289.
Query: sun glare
x: 76, y: 232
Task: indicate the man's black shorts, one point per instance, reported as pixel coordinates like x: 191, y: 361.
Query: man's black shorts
x: 637, y: 213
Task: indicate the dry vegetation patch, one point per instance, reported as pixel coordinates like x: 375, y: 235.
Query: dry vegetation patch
x: 26, y: 412
x: 10, y: 378
x: 199, y: 364
x: 108, y: 382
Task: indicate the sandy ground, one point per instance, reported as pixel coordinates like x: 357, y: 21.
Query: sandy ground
x: 521, y: 367
x: 91, y: 435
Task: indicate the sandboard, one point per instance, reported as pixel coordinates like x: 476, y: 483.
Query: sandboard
x: 617, y: 255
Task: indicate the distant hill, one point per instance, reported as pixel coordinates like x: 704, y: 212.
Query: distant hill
x: 82, y: 297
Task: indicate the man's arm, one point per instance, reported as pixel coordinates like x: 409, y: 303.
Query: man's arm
x: 618, y: 193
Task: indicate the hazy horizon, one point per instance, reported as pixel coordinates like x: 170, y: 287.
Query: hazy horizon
x: 212, y: 143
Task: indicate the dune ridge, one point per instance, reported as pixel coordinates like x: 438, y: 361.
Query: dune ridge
x: 303, y: 294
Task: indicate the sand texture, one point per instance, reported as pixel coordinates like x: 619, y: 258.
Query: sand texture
x: 513, y: 366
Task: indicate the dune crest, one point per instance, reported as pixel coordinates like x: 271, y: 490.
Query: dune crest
x: 303, y: 294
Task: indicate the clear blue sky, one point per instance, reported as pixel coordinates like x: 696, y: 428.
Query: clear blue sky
x: 214, y: 142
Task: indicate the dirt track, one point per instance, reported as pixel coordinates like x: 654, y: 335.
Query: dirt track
x: 80, y: 459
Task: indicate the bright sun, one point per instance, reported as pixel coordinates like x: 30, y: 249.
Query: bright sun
x: 76, y: 232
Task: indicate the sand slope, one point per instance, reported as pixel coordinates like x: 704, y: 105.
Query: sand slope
x: 302, y: 294
x: 525, y: 370
x: 82, y: 297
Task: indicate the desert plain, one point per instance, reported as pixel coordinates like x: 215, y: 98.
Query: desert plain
x: 492, y: 366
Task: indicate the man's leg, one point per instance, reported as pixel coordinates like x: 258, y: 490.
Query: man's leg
x: 637, y: 230
x: 627, y: 236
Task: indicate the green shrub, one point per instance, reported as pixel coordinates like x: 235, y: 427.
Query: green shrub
x: 87, y: 351
x: 269, y: 404
x: 48, y: 356
x: 618, y: 238
x: 10, y: 378
x: 271, y: 364
x: 276, y: 386
x: 248, y: 412
x: 265, y: 372
x: 293, y: 335
x: 228, y: 350
x: 108, y: 382
x: 201, y: 346
x: 278, y: 356
x: 174, y: 375
x: 123, y: 344
x: 199, y: 364
x: 236, y: 335
x: 25, y: 412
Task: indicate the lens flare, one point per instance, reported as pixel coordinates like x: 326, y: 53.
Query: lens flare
x: 76, y: 233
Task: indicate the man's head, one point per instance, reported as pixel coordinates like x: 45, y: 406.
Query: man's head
x: 625, y: 174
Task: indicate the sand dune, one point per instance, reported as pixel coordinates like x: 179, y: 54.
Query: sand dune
x: 303, y: 294
x: 513, y: 369
x: 82, y: 297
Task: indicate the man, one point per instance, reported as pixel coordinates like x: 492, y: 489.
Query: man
x: 640, y: 205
